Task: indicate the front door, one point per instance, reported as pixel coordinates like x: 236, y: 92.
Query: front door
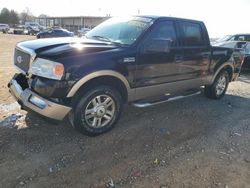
x: 157, y: 67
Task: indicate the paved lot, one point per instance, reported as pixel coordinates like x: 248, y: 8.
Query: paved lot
x: 190, y: 143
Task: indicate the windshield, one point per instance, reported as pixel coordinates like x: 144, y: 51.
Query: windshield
x: 120, y: 30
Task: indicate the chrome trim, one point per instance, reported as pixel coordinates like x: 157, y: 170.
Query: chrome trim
x: 147, y: 104
x: 129, y: 60
x: 52, y: 110
x: 74, y: 89
x: 25, y: 50
x: 20, y: 70
x: 17, y: 89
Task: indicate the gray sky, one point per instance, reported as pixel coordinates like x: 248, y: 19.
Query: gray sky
x: 221, y: 17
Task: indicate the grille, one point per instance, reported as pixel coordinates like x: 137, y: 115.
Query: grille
x: 22, y: 60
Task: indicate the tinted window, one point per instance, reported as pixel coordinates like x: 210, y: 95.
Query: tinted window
x: 248, y: 47
x: 58, y: 31
x: 192, y: 34
x: 164, y: 30
x: 247, y: 37
x: 239, y: 38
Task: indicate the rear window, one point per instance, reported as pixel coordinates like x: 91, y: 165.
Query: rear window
x: 191, y: 34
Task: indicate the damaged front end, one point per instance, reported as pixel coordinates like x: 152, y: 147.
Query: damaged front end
x: 34, y: 92
x: 27, y: 98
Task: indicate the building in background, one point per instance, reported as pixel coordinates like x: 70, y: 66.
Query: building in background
x: 72, y: 23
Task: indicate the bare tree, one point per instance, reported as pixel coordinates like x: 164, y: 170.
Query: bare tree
x: 43, y: 16
x: 26, y: 15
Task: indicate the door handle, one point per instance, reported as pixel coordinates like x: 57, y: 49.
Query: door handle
x: 178, y: 58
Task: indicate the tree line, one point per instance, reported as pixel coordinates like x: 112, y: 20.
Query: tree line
x: 12, y: 17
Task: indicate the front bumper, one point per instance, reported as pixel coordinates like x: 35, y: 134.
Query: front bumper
x: 34, y: 102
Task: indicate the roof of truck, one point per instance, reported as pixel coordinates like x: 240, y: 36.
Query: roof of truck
x: 155, y: 17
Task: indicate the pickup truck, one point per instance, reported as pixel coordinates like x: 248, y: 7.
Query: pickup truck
x: 140, y: 60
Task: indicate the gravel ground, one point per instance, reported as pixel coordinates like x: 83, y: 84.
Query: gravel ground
x: 191, y: 143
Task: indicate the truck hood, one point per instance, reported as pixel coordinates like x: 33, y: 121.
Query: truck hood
x: 65, y: 46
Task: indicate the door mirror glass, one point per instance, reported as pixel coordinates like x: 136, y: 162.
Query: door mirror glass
x: 158, y: 46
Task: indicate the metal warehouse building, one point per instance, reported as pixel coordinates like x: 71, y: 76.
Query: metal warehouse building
x: 71, y: 23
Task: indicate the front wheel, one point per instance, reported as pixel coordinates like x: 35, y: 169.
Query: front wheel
x: 97, y: 111
x: 219, y: 87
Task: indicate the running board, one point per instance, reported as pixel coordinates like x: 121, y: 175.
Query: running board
x: 147, y: 104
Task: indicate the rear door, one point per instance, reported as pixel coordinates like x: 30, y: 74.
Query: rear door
x: 194, y: 58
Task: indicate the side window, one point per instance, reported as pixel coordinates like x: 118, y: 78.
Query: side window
x: 247, y: 37
x: 241, y: 38
x: 164, y: 30
x: 248, y: 46
x: 191, y: 34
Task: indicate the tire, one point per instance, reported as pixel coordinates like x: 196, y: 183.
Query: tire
x: 97, y: 111
x: 219, y: 87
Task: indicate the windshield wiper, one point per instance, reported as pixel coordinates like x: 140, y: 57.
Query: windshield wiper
x: 101, y: 38
x: 106, y: 39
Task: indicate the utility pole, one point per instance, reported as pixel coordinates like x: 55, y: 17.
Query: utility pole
x: 138, y: 11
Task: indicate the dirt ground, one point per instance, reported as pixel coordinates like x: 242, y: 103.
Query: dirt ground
x: 191, y: 143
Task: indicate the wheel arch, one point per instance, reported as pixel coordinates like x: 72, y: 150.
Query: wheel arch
x: 226, y: 66
x: 108, y: 77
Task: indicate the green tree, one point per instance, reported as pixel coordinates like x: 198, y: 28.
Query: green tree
x: 5, y: 15
x: 13, y: 17
x: 8, y: 17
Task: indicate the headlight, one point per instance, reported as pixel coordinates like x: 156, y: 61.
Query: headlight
x: 48, y: 69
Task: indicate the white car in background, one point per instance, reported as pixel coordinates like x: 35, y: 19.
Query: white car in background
x: 83, y: 31
x: 4, y: 28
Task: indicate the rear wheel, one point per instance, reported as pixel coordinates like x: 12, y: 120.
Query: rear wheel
x: 218, y: 89
x: 97, y: 111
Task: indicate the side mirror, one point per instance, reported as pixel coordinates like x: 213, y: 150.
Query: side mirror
x: 157, y: 46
